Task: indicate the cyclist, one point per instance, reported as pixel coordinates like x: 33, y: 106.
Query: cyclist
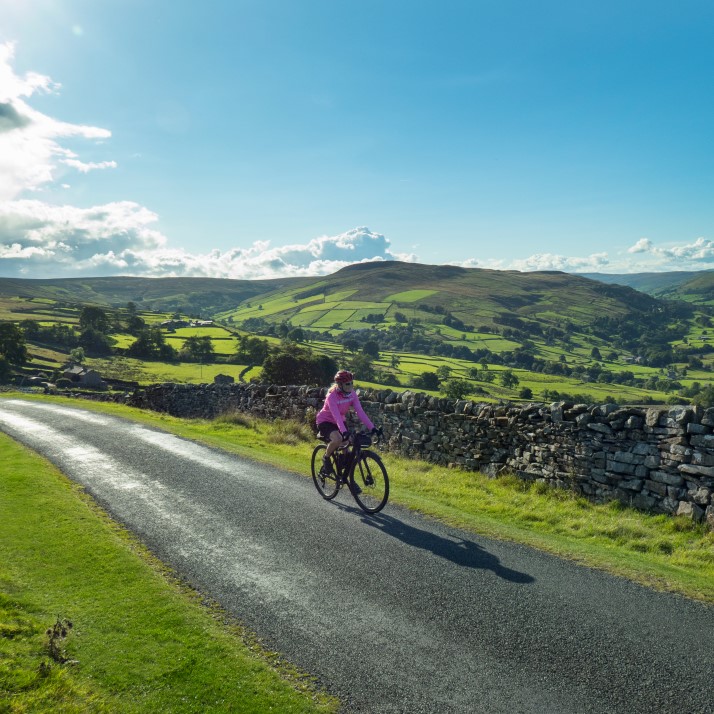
x: 331, y: 418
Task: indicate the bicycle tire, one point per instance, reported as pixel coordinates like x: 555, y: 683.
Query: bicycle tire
x: 370, y: 474
x: 327, y: 486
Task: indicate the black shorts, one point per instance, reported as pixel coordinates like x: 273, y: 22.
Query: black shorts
x: 326, y: 428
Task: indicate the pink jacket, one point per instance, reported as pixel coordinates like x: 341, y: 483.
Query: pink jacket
x: 337, y: 405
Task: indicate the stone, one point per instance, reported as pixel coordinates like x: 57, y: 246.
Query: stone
x: 666, y: 478
x: 690, y: 510
x: 634, y: 484
x: 702, y: 496
x: 696, y: 470
x: 693, y: 428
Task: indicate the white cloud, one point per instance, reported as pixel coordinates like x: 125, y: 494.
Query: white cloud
x: 120, y: 239
x: 30, y: 151
x: 91, y: 166
x: 643, y: 245
x: 543, y: 261
x: 698, y: 255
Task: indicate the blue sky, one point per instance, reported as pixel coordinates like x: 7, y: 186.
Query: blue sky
x: 260, y: 138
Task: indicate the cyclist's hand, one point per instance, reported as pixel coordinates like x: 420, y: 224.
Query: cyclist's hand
x: 345, y: 435
x: 377, y: 432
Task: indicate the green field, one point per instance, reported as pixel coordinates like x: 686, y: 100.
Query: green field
x: 410, y: 295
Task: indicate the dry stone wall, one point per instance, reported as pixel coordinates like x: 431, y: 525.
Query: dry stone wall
x: 655, y: 458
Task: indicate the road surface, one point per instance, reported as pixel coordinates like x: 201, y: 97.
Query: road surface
x: 394, y: 612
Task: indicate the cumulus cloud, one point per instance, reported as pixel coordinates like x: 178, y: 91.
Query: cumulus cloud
x: 594, y: 262
x: 30, y: 148
x: 697, y: 255
x: 643, y: 245
x: 40, y: 240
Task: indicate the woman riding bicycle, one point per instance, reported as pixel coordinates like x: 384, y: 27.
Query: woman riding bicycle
x: 331, y: 418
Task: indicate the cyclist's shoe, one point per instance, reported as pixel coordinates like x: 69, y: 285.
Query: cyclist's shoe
x: 327, y: 469
x: 355, y: 488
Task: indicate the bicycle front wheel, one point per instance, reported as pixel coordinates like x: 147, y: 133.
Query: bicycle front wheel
x: 369, y: 482
x: 327, y: 484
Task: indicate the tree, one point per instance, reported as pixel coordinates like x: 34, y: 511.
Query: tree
x: 31, y: 328
x: 456, y: 388
x: 508, y: 379
x: 362, y: 366
x: 93, y: 318
x: 197, y: 349
x: 96, y: 341
x: 298, y: 366
x: 150, y: 344
x: 705, y: 398
x: 371, y: 348
x: 595, y: 353
x: 251, y: 350
x: 297, y: 334
x: 350, y: 345
x: 77, y: 355
x: 525, y: 393
x: 426, y: 380
x: 443, y: 372
x: 12, y: 343
x: 135, y: 325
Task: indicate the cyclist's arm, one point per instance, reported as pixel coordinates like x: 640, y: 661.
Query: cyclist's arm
x: 360, y: 413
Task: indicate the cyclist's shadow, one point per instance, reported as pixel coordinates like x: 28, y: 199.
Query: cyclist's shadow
x: 463, y: 552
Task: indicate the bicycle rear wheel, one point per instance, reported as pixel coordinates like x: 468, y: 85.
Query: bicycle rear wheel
x: 327, y: 484
x: 370, y: 475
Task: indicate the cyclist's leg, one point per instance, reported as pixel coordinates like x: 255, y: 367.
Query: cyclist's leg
x: 334, y: 443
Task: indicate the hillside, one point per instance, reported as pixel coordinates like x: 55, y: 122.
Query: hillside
x: 655, y: 284
x: 188, y: 295
x: 475, y: 297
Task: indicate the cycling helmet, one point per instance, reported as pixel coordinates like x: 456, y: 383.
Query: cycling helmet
x: 343, y: 376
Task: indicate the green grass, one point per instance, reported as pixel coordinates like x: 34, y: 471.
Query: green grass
x: 148, y: 372
x: 141, y: 640
x: 659, y: 551
x: 410, y: 295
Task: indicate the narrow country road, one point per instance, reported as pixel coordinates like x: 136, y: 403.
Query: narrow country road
x: 395, y: 612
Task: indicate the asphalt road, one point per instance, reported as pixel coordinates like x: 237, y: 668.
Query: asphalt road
x: 394, y: 612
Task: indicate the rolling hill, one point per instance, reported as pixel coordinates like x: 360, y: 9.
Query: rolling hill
x: 188, y: 295
x: 421, y: 291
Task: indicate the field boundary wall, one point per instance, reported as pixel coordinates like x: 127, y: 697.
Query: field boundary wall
x: 658, y: 459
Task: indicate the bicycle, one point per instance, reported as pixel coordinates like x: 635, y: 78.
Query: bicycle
x: 361, y: 469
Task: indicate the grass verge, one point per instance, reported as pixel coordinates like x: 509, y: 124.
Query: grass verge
x: 139, y: 642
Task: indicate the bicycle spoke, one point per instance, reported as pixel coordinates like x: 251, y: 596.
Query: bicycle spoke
x: 371, y: 483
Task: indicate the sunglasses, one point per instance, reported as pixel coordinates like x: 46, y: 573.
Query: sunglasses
x: 347, y: 384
